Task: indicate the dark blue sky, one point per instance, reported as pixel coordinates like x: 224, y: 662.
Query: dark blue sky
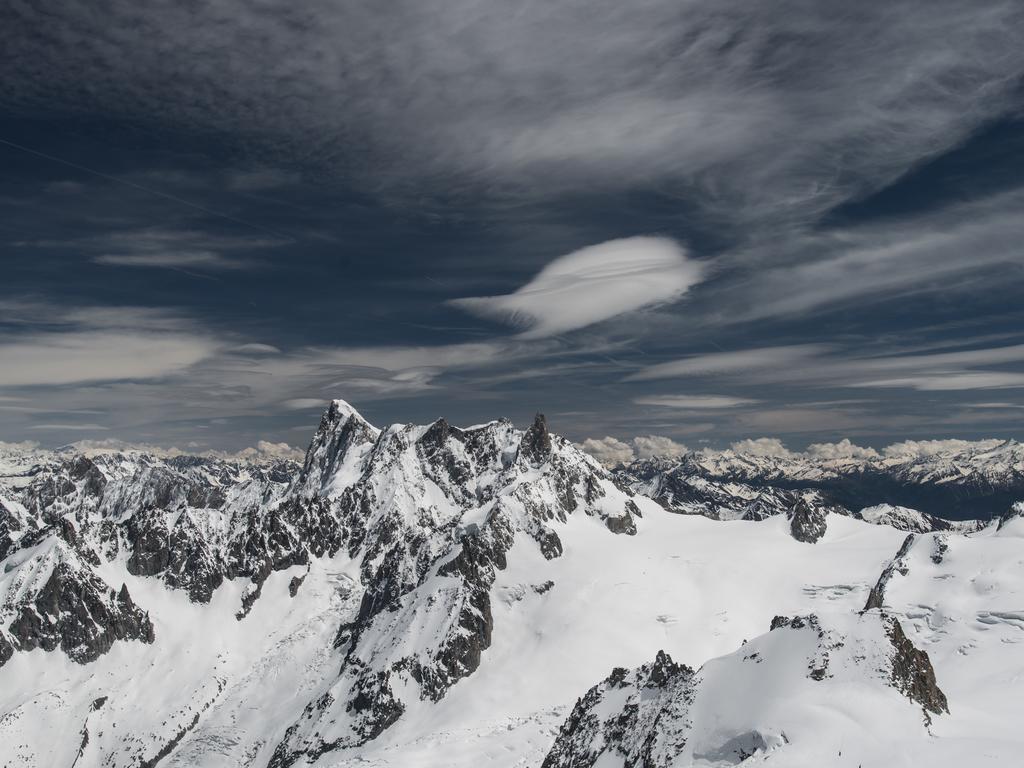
x: 704, y: 221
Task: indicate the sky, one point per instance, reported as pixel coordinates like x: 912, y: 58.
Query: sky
x: 696, y: 221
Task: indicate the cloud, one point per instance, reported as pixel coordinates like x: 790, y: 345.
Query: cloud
x: 591, y: 285
x: 172, y: 260
x: 89, y: 356
x: 24, y: 445
x: 769, y: 111
x: 608, y: 450
x: 952, y: 381
x: 657, y: 446
x: 263, y: 451
x: 301, y: 403
x: 70, y: 427
x: 611, y: 451
x: 696, y: 402
x: 925, y: 448
x: 268, y: 451
x: 817, y: 365
x: 920, y: 254
x: 168, y: 248
x: 844, y: 449
x: 740, y: 361
x: 762, y: 446
x: 256, y: 349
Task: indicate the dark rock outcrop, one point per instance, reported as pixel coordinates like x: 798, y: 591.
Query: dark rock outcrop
x: 78, y: 613
x: 876, y: 598
x: 912, y: 671
x: 536, y: 444
x: 807, y: 523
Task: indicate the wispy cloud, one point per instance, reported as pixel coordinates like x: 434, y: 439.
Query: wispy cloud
x: 693, y: 402
x: 745, y: 360
x: 820, y: 365
x: 591, y: 285
x: 172, y: 260
x: 714, y: 96
x: 71, y: 427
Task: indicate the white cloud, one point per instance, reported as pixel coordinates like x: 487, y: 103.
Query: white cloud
x: 695, y: 402
x: 923, y: 448
x: 301, y: 403
x: 844, y: 449
x: 172, y: 260
x: 657, y: 446
x: 256, y: 349
x: 762, y: 446
x: 84, y: 356
x: 24, y: 445
x: 608, y: 450
x: 740, y: 361
x: 551, y: 96
x: 70, y: 427
x: 593, y: 284
x: 268, y: 451
x: 263, y: 451
x: 925, y: 253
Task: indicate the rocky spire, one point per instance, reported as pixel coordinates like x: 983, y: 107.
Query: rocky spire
x: 536, y: 444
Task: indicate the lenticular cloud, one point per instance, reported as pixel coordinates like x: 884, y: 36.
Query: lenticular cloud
x: 593, y: 284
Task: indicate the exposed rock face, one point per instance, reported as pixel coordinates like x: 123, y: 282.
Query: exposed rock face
x: 807, y: 523
x: 876, y: 598
x: 646, y: 727
x: 6, y: 650
x: 76, y: 611
x: 912, y: 672
x: 736, y: 706
x: 536, y: 444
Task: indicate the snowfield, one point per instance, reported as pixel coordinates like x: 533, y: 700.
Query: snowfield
x: 401, y: 601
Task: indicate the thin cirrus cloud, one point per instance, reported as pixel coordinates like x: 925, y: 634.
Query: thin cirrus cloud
x: 591, y: 285
x: 701, y: 93
x: 824, y: 365
x: 694, y: 402
x: 172, y: 260
x: 731, y: 362
x: 75, y: 345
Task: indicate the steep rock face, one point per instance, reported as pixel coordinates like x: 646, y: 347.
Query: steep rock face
x: 55, y: 601
x: 912, y: 672
x: 741, y: 705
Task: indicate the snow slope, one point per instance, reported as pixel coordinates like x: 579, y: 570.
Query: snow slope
x: 430, y: 596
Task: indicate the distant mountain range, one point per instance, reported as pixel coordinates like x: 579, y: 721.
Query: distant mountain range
x: 969, y: 481
x: 437, y: 596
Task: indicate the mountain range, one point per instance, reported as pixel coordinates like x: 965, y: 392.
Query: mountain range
x: 443, y: 596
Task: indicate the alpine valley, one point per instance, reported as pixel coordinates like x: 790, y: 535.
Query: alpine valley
x: 490, y: 596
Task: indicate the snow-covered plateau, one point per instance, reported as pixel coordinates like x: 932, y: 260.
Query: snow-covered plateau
x: 433, y: 596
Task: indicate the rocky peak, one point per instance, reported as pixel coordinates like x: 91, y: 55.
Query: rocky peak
x: 536, y: 443
x: 340, y: 442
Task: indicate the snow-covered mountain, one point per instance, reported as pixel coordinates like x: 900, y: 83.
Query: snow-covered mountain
x: 964, y: 481
x: 437, y: 596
